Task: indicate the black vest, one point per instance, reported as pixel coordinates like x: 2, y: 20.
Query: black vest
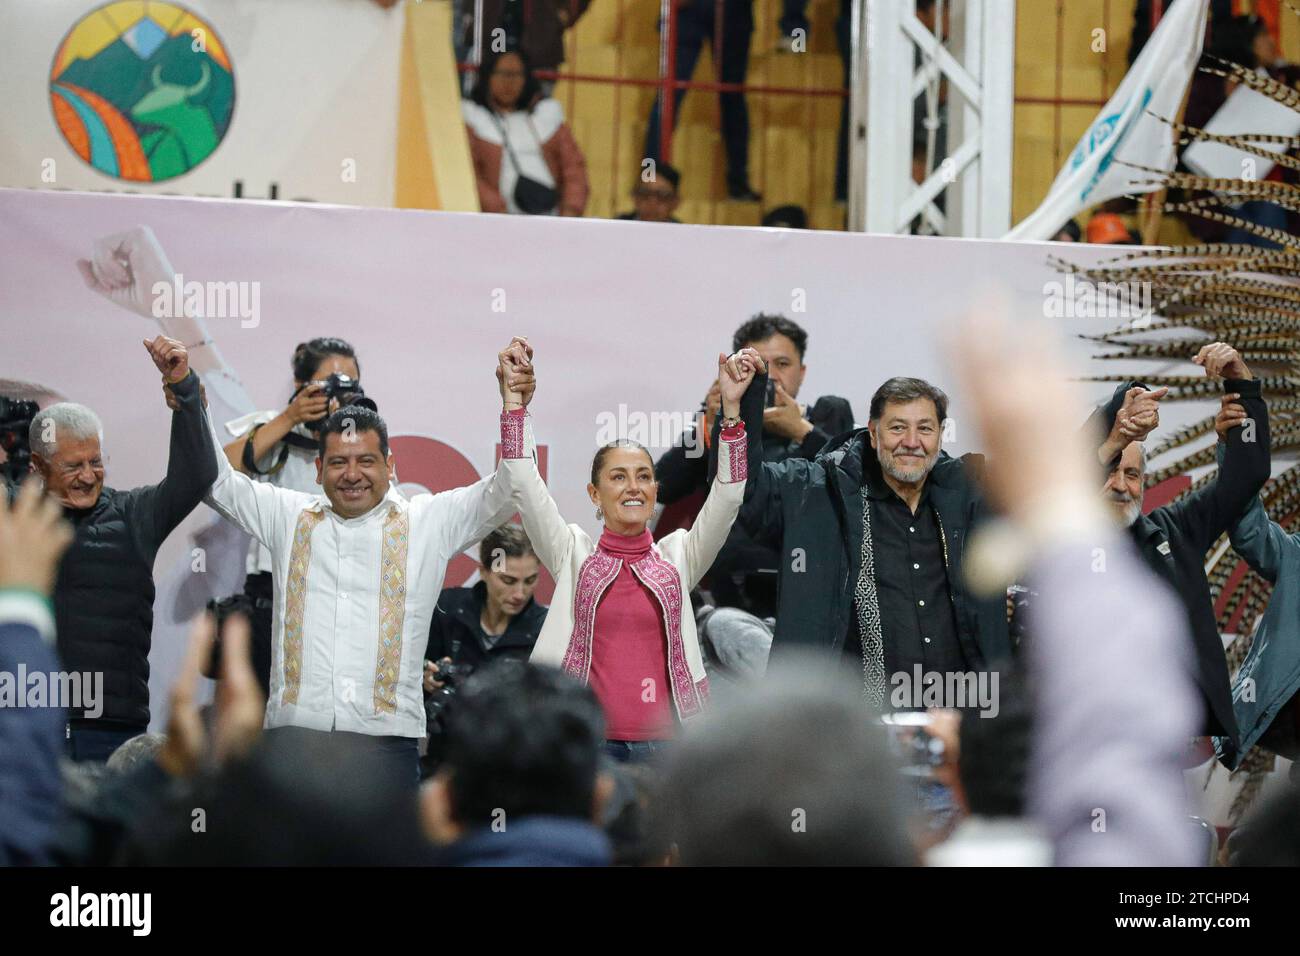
x: 103, y: 606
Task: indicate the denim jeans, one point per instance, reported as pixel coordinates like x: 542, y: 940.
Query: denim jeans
x: 636, y: 751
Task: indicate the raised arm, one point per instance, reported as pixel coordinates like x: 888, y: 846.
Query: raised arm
x: 1260, y: 541
x: 131, y: 270
x: 708, y: 533
x: 1132, y: 414
x: 760, y: 511
x: 1210, y: 512
x: 546, y: 528
x: 466, y: 515
x: 251, y: 505
x: 308, y: 405
x: 33, y: 538
x: 191, y: 462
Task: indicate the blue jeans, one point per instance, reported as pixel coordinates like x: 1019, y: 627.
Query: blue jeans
x: 635, y: 751
x: 89, y: 744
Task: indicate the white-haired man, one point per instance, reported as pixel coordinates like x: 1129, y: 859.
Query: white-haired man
x: 1173, y: 539
x: 103, y: 598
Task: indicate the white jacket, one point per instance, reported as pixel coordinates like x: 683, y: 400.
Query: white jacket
x: 582, y: 572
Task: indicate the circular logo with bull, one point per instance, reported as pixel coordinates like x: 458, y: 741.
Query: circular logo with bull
x: 142, y: 91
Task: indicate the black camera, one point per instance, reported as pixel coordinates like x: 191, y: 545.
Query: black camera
x: 436, y: 706
x: 15, y: 420
x: 344, y: 389
x: 451, y: 676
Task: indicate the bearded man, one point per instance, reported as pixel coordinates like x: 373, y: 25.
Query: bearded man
x: 872, y: 534
x: 1173, y: 539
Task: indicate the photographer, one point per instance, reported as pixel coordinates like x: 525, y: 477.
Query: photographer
x: 496, y: 619
x: 791, y: 430
x: 280, y: 448
x: 16, y: 416
x: 103, y: 599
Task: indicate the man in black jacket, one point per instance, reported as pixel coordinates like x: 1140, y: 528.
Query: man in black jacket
x: 1174, y: 539
x: 872, y: 536
x: 744, y: 573
x: 103, y: 598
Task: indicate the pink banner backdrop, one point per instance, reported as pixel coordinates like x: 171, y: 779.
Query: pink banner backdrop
x: 627, y: 319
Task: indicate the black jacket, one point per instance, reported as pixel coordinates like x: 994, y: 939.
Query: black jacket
x: 1187, y: 529
x: 812, y: 511
x: 681, y: 475
x: 103, y: 597
x: 455, y: 631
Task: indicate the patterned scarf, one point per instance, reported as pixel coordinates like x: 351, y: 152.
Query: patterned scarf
x: 867, y: 604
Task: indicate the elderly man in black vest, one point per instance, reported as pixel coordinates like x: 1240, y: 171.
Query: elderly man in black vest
x: 103, y: 598
x: 1174, y: 539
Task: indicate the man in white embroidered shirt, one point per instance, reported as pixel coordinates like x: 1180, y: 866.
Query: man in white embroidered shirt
x: 357, y: 571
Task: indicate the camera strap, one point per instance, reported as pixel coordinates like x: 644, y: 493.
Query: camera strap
x: 250, y: 465
x: 300, y: 441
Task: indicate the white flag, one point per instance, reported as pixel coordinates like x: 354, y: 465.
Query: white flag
x: 1124, y: 128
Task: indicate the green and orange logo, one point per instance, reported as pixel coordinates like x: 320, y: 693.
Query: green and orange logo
x: 142, y: 91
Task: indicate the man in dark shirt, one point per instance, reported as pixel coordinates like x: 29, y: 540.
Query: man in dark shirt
x: 911, y: 585
x: 744, y: 574
x: 103, y: 598
x: 903, y: 598
x: 872, y: 536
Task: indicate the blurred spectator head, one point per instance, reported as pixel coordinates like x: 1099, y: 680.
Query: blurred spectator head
x: 798, y: 775
x: 787, y: 217
x: 354, y: 467
x: 505, y: 82
x: 782, y: 343
x: 1124, y: 486
x: 65, y: 442
x: 297, y: 800
x: 1107, y: 228
x: 655, y: 195
x: 1244, y: 40
x: 1070, y: 232
x: 139, y: 749
x: 522, y: 741
x: 509, y: 569
x: 1270, y: 836
x: 629, y: 816
x: 318, y: 359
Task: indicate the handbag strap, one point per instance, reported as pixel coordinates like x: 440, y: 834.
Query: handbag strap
x: 505, y: 138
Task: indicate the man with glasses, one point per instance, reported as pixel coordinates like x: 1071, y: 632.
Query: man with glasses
x: 655, y: 195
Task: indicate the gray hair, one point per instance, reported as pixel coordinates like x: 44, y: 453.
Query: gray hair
x: 135, y: 751
x: 903, y: 390
x: 69, y: 420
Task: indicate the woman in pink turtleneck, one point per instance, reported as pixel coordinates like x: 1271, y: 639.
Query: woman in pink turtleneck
x: 620, y: 619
